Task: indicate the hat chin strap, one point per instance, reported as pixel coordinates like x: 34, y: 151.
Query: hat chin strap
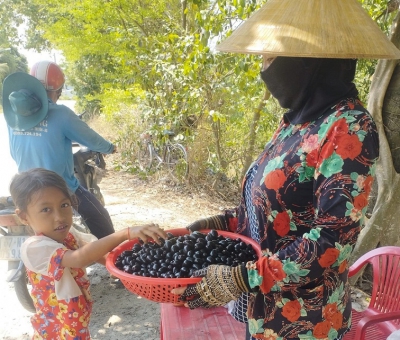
x: 54, y: 95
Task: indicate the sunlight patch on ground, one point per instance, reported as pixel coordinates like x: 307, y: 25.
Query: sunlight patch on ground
x: 112, y: 321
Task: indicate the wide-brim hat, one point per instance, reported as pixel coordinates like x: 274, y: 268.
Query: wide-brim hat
x: 311, y: 28
x: 25, y: 101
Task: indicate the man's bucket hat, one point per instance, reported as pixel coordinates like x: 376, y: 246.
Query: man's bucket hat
x: 311, y: 28
x: 25, y: 102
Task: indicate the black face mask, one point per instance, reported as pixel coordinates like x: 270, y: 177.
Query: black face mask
x: 290, y: 80
x: 308, y: 86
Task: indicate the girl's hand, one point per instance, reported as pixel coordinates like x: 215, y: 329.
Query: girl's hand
x: 147, y: 231
x: 180, y: 291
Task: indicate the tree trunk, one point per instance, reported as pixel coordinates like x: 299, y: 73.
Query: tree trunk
x: 216, y: 129
x: 382, y: 228
x: 252, y: 133
x: 184, y: 5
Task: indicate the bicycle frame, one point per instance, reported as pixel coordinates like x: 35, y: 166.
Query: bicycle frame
x: 162, y: 159
x: 148, y: 140
x: 166, y: 153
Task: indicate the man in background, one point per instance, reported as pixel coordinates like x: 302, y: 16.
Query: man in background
x: 41, y: 134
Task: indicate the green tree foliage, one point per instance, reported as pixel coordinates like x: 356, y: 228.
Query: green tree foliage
x: 157, y: 58
x: 383, y: 15
x: 10, y: 20
x: 10, y: 61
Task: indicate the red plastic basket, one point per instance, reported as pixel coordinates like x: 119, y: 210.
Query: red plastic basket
x: 159, y: 289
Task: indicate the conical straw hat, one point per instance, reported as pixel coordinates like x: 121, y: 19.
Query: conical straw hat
x: 311, y: 28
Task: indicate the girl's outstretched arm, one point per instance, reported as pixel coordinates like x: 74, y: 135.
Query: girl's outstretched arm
x: 94, y: 251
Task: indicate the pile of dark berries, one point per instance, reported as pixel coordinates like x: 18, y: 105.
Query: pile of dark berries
x: 180, y: 256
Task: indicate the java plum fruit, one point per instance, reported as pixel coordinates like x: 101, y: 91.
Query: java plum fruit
x: 180, y: 256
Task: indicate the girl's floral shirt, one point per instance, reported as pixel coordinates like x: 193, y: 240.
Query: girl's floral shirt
x: 309, y: 191
x: 61, y: 295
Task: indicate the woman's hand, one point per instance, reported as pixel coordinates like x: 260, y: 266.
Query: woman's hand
x: 147, y: 231
x: 217, y: 222
x: 219, y: 285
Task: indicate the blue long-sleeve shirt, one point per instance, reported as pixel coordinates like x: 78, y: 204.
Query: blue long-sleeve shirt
x: 49, y: 144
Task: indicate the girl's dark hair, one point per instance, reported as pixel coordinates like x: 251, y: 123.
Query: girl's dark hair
x: 27, y: 183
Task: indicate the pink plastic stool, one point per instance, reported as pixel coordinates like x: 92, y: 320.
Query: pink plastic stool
x: 181, y: 323
x: 382, y: 317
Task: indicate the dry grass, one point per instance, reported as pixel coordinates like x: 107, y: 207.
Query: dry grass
x: 202, y: 178
x: 105, y: 128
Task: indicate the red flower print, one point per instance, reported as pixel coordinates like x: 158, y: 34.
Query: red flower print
x: 271, y: 270
x: 327, y: 151
x: 276, y: 268
x: 282, y: 223
x: 349, y: 147
x: 275, y: 179
x: 343, y: 267
x: 329, y: 257
x: 336, y: 320
x: 368, y: 184
x: 360, y: 201
x: 329, y: 310
x: 337, y: 130
x: 267, y: 283
x: 291, y: 310
x: 332, y: 314
x: 312, y: 158
x: 322, y: 329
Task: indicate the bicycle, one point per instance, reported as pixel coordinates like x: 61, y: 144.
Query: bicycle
x: 173, y: 155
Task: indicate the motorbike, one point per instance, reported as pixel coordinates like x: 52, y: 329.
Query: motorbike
x: 12, y: 234
x: 88, y: 166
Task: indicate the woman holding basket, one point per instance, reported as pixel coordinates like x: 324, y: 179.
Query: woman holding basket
x: 304, y: 198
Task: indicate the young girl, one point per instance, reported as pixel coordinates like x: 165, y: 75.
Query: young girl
x: 54, y: 261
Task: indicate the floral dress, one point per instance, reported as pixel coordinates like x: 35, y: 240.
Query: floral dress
x: 61, y: 295
x: 309, y: 192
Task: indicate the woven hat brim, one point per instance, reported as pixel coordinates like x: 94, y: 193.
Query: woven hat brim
x: 311, y: 28
x: 15, y: 82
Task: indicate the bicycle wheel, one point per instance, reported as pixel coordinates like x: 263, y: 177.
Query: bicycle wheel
x: 145, y: 156
x: 177, y: 161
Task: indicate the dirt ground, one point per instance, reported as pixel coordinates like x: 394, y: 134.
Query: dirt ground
x: 117, y: 313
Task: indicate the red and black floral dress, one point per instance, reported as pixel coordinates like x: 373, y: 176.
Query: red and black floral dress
x: 61, y: 295
x: 304, y: 200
